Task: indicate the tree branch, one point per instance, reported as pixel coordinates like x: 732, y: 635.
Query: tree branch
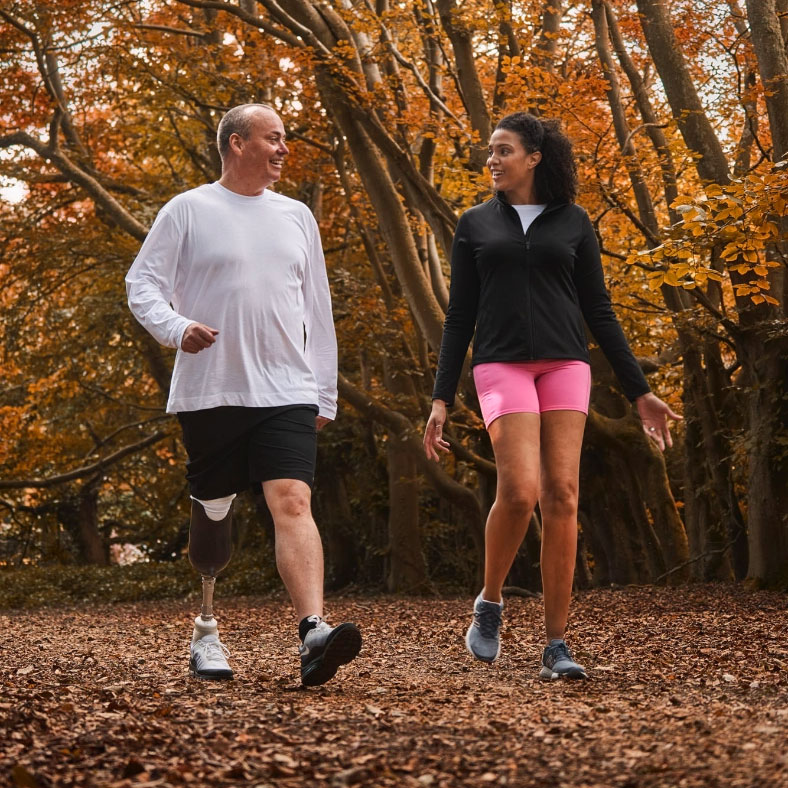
x: 250, y: 19
x: 87, y: 470
x: 77, y: 175
x: 174, y: 30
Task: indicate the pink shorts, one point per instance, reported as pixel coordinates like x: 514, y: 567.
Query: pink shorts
x: 531, y: 387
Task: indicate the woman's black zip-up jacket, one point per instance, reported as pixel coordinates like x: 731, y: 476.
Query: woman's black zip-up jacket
x: 526, y: 294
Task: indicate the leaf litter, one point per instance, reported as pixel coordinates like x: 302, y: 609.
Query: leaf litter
x: 689, y: 687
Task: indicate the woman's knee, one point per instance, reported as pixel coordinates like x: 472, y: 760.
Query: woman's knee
x: 559, y: 499
x: 518, y: 499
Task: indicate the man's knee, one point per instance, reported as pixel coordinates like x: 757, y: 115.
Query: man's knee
x: 288, y: 499
x: 210, y: 535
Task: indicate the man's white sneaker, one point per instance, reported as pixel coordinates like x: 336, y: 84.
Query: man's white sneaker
x: 208, y: 658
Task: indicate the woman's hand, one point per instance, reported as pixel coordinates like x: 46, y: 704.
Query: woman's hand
x: 433, y: 433
x: 654, y: 414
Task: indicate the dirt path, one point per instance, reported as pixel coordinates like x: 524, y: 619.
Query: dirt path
x: 688, y: 688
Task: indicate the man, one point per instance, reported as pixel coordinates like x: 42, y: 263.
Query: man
x: 233, y: 275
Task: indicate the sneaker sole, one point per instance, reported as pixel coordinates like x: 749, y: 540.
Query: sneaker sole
x: 551, y: 675
x: 488, y: 660
x: 342, y: 646
x: 210, y: 675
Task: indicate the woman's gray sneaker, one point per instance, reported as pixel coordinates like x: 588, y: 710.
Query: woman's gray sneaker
x: 557, y: 663
x: 483, y: 636
x: 324, y: 649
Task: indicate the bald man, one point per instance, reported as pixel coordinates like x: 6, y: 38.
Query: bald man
x: 232, y: 274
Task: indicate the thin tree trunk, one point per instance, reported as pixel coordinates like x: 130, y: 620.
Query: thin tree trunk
x: 407, y: 570
x: 680, y: 89
x: 80, y: 518
x: 769, y: 46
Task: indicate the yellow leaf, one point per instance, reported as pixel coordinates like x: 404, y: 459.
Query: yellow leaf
x: 671, y: 279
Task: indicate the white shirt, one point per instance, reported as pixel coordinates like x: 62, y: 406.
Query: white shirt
x: 252, y: 268
x: 528, y: 213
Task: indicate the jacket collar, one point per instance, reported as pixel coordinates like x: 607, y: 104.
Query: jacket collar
x: 500, y: 198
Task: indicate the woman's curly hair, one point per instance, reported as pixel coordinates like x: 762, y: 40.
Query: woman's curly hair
x: 555, y: 177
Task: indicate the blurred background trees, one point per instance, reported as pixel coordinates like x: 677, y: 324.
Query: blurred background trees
x: 679, y: 115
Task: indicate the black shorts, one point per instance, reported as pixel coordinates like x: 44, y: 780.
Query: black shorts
x: 234, y: 448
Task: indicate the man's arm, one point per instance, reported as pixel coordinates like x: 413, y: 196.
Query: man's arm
x: 150, y: 284
x: 321, y: 341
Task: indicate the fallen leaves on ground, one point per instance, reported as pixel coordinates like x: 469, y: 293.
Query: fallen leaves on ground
x: 689, y: 687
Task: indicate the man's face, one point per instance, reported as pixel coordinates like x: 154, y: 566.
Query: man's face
x: 262, y: 153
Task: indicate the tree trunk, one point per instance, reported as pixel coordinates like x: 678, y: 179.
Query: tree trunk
x: 680, y: 89
x: 468, y: 77
x: 407, y: 571
x: 79, y: 517
x: 393, y: 221
x: 769, y: 46
x: 768, y: 461
x: 760, y: 345
x: 629, y: 517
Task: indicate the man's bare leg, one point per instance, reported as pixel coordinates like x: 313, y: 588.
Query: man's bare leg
x: 299, y: 559
x: 299, y: 551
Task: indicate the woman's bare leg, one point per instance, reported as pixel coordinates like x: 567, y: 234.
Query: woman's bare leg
x: 561, y: 442
x: 515, y: 441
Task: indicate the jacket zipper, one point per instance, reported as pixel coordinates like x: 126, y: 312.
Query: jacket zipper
x: 527, y: 237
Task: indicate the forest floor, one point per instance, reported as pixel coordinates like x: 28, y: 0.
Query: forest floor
x: 688, y: 687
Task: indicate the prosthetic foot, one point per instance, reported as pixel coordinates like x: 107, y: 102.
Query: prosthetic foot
x: 210, y: 548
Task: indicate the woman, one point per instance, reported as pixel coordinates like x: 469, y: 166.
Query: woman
x: 526, y: 273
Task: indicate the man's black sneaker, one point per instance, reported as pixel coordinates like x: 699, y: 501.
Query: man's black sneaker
x: 324, y: 649
x: 557, y: 663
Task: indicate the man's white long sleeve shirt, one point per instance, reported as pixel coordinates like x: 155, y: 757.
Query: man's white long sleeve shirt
x: 252, y: 268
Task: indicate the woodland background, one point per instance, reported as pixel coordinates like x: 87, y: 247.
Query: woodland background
x: 679, y: 114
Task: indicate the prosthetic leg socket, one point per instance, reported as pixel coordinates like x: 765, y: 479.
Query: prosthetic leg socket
x: 210, y: 549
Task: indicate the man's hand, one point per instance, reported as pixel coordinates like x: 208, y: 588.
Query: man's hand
x: 320, y: 422
x: 197, y: 337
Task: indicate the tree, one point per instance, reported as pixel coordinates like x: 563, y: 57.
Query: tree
x: 389, y: 107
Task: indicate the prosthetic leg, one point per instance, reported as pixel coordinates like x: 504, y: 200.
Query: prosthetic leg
x: 210, y: 548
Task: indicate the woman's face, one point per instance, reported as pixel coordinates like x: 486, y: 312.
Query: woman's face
x: 510, y: 165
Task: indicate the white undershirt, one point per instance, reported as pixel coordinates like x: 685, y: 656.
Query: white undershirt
x: 528, y: 213
x: 253, y: 268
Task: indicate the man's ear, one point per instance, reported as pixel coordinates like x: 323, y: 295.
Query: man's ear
x: 236, y: 143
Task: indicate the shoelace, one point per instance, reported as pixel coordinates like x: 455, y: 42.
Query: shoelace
x: 557, y: 652
x: 323, y: 628
x: 213, y: 650
x: 489, y: 621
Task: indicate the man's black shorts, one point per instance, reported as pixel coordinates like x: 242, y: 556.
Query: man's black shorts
x: 234, y: 448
